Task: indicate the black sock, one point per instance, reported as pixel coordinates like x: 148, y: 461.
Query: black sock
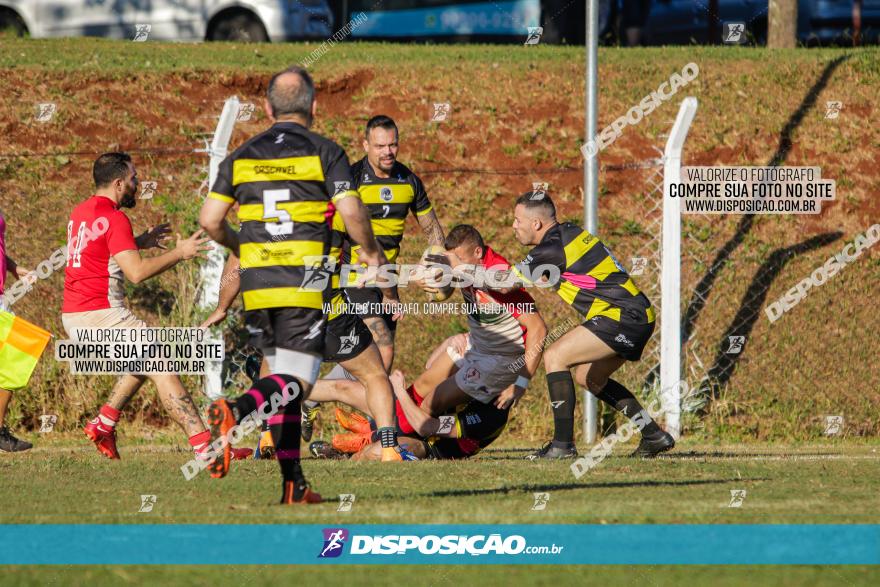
x: 244, y: 404
x: 621, y: 399
x: 285, y: 427
x: 387, y: 436
x: 562, y: 399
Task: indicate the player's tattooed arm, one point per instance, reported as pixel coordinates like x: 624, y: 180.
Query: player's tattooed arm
x: 431, y: 227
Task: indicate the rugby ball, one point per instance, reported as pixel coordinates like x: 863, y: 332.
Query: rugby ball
x: 435, y: 271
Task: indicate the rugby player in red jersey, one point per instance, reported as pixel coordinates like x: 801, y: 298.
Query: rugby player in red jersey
x: 102, y: 253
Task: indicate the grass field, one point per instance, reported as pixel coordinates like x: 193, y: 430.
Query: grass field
x: 809, y: 483
x: 517, y: 117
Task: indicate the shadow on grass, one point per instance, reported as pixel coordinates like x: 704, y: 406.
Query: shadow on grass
x: 568, y: 486
x: 752, y: 303
x: 693, y: 454
x: 724, y: 364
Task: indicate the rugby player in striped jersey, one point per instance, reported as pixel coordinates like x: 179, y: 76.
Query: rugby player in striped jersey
x: 288, y: 182
x: 618, y: 322
x: 390, y: 191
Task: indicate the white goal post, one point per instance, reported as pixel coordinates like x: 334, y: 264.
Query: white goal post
x: 670, y: 285
x: 211, y: 271
x: 670, y: 276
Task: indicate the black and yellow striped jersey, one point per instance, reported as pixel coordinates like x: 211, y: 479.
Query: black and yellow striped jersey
x: 333, y: 298
x: 285, y: 181
x: 389, y: 200
x: 592, y: 281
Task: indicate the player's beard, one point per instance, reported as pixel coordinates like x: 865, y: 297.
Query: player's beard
x: 386, y: 166
x: 129, y: 199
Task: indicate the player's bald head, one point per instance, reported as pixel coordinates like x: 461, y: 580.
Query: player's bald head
x: 291, y: 93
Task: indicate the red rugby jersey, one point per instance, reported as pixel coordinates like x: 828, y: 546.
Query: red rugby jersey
x: 92, y: 279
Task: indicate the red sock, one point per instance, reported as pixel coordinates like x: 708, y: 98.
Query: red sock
x: 109, y: 416
x: 200, y: 441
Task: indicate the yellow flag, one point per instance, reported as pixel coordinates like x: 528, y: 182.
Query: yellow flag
x: 21, y: 344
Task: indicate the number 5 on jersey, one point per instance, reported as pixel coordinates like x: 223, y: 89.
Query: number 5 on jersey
x: 271, y: 199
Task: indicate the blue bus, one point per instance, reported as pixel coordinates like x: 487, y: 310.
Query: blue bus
x: 662, y: 22
x: 444, y: 20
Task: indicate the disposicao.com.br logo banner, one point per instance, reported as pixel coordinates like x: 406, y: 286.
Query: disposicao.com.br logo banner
x: 440, y: 544
x: 339, y: 540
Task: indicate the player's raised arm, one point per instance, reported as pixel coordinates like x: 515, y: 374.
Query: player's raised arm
x: 137, y: 269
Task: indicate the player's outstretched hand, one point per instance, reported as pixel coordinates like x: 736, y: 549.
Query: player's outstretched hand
x: 216, y: 317
x: 194, y: 246
x: 154, y: 237
x: 509, y: 397
x: 398, y: 382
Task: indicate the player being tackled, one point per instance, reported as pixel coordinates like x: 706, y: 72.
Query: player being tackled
x: 459, y: 404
